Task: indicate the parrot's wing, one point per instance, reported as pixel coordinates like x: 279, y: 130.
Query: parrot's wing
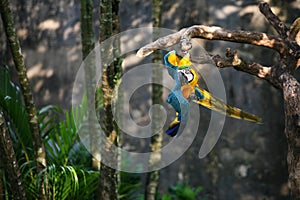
x: 182, y: 106
x: 220, y: 106
x: 174, y: 126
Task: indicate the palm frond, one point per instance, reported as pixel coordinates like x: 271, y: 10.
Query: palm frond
x: 82, y: 183
x: 15, y: 112
x: 5, y: 195
x: 59, y: 137
x: 65, y: 182
x: 130, y: 187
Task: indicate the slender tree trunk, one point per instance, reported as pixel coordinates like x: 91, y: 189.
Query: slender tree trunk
x: 9, y: 159
x: 109, y: 25
x: 156, y: 140
x: 88, y: 44
x: 8, y: 23
x: 87, y: 31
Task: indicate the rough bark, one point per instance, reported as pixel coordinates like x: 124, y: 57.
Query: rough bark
x: 291, y: 95
x: 88, y: 44
x: 255, y: 69
x: 40, y: 154
x: 152, y: 179
x: 9, y: 159
x: 87, y: 33
x: 109, y: 25
x: 214, y: 33
x: 279, y: 75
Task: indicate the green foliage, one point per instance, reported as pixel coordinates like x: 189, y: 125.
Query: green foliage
x: 70, y: 182
x: 68, y: 161
x: 5, y: 194
x: 130, y: 186
x: 68, y: 177
x: 182, y: 191
x: 65, y: 182
x: 59, y: 137
x: 99, y: 97
x: 15, y: 113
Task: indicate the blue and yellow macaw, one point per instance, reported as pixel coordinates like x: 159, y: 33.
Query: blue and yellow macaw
x: 186, y: 87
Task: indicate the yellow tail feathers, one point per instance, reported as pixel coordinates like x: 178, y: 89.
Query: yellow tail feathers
x: 218, y: 105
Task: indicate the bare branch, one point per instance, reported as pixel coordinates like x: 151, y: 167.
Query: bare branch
x: 213, y: 33
x: 290, y: 36
x: 184, y: 37
x: 294, y: 37
x: 247, y: 37
x: 294, y: 33
x: 279, y: 26
x: 160, y: 43
x: 232, y: 60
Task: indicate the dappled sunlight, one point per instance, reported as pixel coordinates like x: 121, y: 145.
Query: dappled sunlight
x: 22, y: 33
x: 49, y: 24
x: 173, y: 11
x: 226, y: 10
x: 257, y: 19
x: 52, y: 71
x: 131, y: 60
x: 37, y: 71
x: 142, y: 36
x: 41, y: 48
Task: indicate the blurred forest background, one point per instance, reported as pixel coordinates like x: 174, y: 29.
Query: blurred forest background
x: 249, y: 161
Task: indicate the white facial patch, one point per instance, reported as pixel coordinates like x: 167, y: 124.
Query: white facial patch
x: 186, y: 73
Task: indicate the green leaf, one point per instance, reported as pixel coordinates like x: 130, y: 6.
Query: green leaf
x: 182, y: 191
x: 16, y: 115
x: 166, y: 197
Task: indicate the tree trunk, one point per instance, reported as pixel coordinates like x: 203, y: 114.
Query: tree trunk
x: 87, y: 33
x: 291, y: 95
x: 14, y: 44
x: 8, y: 157
x: 156, y: 140
x: 88, y: 44
x: 109, y: 25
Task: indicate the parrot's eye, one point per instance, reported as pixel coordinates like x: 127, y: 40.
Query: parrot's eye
x: 186, y: 73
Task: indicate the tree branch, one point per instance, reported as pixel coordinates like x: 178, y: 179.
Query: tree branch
x: 269, y: 74
x: 288, y: 35
x: 213, y: 33
x: 294, y: 32
x: 161, y: 43
x: 279, y: 26
x: 218, y: 33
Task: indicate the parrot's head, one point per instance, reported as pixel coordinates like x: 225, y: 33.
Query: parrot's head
x: 179, y: 61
